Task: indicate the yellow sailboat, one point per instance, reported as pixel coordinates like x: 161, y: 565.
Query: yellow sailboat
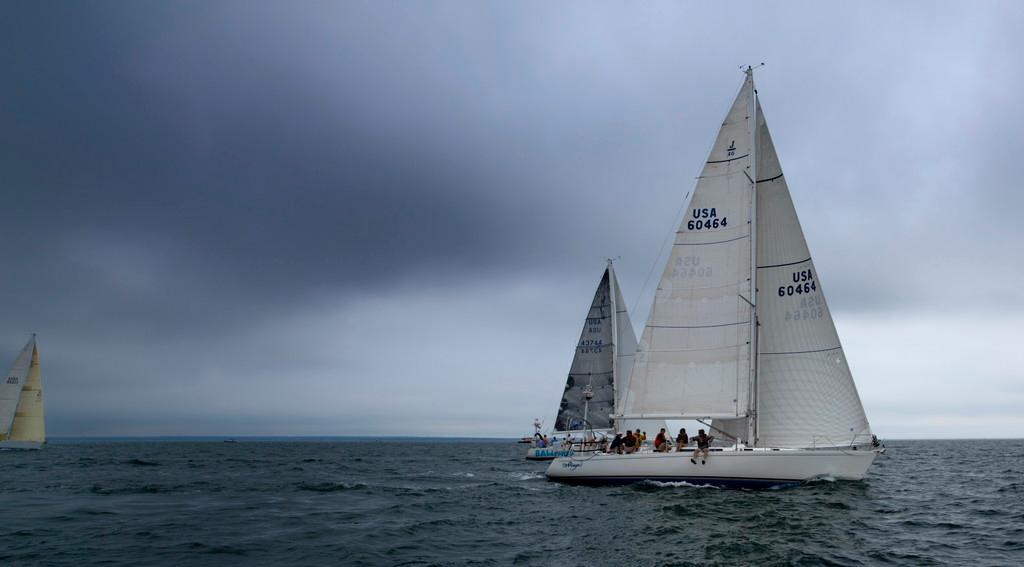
x: 21, y: 402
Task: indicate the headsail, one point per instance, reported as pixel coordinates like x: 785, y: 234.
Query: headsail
x: 604, y: 355
x: 11, y: 386
x: 806, y: 395
x: 694, y: 354
x: 625, y: 340
x: 28, y: 424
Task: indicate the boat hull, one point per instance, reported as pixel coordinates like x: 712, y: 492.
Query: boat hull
x: 729, y: 468
x: 20, y: 445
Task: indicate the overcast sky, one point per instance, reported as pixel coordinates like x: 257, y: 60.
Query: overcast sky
x: 389, y: 218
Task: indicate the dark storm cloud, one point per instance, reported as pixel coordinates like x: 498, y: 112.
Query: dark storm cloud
x: 185, y: 182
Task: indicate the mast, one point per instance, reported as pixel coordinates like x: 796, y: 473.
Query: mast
x: 614, y: 320
x: 752, y: 397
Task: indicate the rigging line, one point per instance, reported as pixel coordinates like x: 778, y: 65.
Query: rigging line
x: 808, y: 259
x: 805, y: 351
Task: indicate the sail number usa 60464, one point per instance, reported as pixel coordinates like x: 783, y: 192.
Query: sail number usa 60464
x: 706, y: 218
x: 803, y: 282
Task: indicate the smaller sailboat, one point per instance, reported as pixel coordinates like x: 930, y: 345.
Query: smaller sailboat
x: 21, y: 402
x: 603, y: 358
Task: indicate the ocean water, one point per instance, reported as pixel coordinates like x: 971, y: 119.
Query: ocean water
x: 447, y: 502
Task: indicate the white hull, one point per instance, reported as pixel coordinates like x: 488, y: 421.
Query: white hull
x: 736, y: 468
x: 20, y: 445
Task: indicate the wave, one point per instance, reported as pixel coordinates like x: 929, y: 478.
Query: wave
x: 139, y: 489
x: 675, y: 484
x: 142, y: 463
x: 532, y: 475
x: 331, y: 486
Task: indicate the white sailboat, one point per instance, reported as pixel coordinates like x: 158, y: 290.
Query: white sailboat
x: 740, y: 337
x: 21, y: 402
x: 603, y: 358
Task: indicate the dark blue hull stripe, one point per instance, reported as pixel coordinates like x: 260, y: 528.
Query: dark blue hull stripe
x: 729, y: 482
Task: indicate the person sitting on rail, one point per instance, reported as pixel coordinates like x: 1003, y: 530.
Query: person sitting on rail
x: 681, y: 440
x: 703, y: 443
x: 661, y: 443
x: 616, y: 446
x: 630, y: 442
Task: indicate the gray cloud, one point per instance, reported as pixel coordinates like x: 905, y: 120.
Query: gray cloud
x: 196, y: 192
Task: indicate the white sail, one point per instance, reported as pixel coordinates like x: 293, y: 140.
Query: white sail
x: 11, y: 386
x: 694, y: 355
x: 28, y: 424
x: 806, y: 395
x: 625, y: 340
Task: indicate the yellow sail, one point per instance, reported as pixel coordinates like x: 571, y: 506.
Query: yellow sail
x: 28, y: 418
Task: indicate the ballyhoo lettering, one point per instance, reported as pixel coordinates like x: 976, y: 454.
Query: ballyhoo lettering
x: 553, y: 453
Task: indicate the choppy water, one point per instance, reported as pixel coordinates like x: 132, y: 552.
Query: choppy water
x: 479, y: 503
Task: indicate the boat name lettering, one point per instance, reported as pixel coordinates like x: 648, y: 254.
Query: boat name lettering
x: 571, y: 465
x: 804, y: 281
x: 12, y: 379
x: 707, y: 217
x: 554, y: 453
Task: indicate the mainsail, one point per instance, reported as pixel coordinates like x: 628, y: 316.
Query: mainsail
x: 11, y: 387
x: 793, y: 388
x: 694, y: 354
x: 603, y: 353
x: 28, y: 424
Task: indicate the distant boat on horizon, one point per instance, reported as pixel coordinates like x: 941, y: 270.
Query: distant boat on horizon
x: 22, y: 425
